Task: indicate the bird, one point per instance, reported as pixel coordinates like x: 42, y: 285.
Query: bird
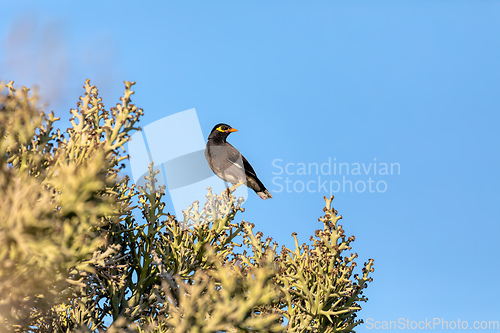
x: 229, y: 164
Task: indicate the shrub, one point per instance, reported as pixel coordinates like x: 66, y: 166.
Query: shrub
x: 82, y: 249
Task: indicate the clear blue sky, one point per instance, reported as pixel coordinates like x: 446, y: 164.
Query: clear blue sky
x: 409, y: 82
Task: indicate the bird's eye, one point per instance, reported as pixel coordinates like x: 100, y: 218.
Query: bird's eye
x: 222, y: 128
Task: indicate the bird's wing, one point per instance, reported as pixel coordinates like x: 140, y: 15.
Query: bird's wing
x: 248, y: 168
x: 235, y: 157
x: 253, y: 182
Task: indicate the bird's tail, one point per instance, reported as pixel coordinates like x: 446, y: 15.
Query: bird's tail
x: 264, y: 194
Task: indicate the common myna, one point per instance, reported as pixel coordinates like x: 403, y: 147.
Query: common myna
x: 228, y: 163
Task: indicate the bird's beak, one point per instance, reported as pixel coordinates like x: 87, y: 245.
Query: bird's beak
x: 232, y: 130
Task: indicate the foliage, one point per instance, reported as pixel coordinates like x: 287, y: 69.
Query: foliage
x: 84, y: 250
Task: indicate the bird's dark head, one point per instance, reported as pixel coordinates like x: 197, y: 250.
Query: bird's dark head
x: 221, y: 131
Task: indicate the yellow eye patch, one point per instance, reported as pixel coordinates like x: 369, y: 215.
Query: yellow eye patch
x: 220, y: 129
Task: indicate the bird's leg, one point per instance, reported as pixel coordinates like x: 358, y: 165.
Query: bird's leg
x: 232, y: 189
x: 228, y: 191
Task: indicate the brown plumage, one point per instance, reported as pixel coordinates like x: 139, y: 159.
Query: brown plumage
x: 229, y: 164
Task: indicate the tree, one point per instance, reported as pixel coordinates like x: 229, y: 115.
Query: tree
x: 76, y: 254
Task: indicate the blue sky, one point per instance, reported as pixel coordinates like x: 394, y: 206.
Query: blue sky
x: 407, y: 82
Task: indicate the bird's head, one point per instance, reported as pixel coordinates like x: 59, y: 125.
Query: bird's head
x: 221, y: 131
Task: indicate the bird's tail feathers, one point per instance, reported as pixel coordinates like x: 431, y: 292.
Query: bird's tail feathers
x: 264, y: 194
